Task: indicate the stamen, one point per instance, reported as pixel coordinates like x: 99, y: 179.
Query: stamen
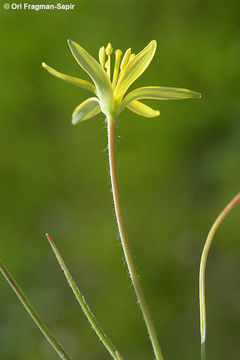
x: 102, y: 56
x: 109, y: 51
x: 132, y: 57
x: 108, y: 66
x: 118, y: 54
x: 125, y: 59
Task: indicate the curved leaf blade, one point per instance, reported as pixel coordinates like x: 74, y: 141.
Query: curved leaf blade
x: 202, y: 270
x: 34, y: 315
x: 82, y: 302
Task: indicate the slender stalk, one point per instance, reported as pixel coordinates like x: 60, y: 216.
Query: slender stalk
x: 32, y: 312
x: 96, y: 327
x: 118, y: 356
x: 203, y: 351
x: 127, y: 253
x: 202, y: 301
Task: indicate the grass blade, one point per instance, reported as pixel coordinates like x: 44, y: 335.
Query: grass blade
x: 34, y: 315
x: 202, y: 302
x: 83, y: 303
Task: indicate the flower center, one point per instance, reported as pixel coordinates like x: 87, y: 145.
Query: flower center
x: 119, y: 65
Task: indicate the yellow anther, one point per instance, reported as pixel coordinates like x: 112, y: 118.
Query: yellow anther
x: 118, y: 54
x: 125, y: 59
x: 109, y: 49
x: 102, y: 56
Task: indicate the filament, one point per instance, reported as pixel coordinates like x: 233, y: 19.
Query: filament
x: 118, y: 55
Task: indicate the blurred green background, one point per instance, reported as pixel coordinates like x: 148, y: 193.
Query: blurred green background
x: 176, y: 174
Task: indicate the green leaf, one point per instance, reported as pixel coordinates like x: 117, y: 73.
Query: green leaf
x: 202, y: 271
x: 134, y: 69
x: 82, y: 302
x: 96, y: 72
x: 34, y: 315
x: 142, y: 109
x: 71, y: 79
x: 158, y: 93
x: 86, y: 110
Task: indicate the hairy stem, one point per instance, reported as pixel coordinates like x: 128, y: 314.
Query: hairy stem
x: 127, y: 253
x: 34, y: 315
x: 85, y: 308
x: 202, y: 302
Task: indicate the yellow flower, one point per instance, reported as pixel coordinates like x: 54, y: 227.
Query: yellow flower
x: 109, y: 90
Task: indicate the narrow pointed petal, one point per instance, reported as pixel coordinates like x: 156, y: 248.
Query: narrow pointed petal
x: 96, y: 72
x: 134, y: 69
x: 142, y: 109
x: 71, y: 79
x: 86, y: 110
x: 158, y: 93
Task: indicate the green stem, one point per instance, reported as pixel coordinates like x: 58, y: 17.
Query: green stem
x: 203, y: 351
x: 96, y: 327
x: 202, y: 301
x: 32, y: 312
x: 127, y: 253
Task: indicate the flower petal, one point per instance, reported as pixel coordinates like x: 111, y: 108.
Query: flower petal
x: 142, y: 109
x: 72, y: 80
x: 96, y: 72
x: 134, y: 69
x: 86, y: 110
x: 159, y: 93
